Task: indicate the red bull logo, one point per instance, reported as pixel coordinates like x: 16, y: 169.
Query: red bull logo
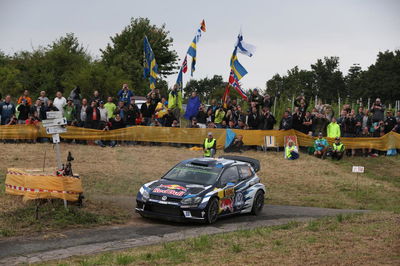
x: 175, y: 190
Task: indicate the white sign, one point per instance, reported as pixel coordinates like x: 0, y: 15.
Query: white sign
x: 358, y: 169
x: 54, y: 114
x: 56, y: 130
x: 56, y: 138
x: 54, y: 122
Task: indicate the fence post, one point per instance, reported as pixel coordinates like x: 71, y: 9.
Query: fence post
x: 274, y: 105
x: 369, y: 103
x: 292, y: 103
x: 339, y: 106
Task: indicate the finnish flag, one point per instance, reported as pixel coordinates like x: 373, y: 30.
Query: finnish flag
x: 243, y: 47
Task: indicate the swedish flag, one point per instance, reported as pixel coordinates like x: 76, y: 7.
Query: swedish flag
x: 150, y: 65
x: 192, y: 51
x: 238, y: 70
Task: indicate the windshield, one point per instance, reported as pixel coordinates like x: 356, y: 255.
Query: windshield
x: 194, y: 174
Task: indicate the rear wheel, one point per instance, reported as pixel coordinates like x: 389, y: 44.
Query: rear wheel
x: 212, y: 211
x: 258, y: 203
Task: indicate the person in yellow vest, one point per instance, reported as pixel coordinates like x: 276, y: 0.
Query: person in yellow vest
x: 210, y: 146
x: 337, y: 149
x: 333, y: 129
x: 292, y: 153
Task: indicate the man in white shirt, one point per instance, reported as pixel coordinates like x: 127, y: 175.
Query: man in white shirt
x: 60, y: 102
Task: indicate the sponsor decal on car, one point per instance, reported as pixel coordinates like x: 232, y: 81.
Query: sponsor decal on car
x: 175, y: 190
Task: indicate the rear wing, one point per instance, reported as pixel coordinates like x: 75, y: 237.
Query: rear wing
x: 253, y: 162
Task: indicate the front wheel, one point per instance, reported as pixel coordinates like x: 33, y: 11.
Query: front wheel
x: 258, y: 203
x: 212, y: 211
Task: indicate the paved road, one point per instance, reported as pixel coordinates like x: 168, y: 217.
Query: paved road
x: 89, y: 241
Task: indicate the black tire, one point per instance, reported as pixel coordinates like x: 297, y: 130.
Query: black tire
x: 258, y: 203
x: 212, y: 211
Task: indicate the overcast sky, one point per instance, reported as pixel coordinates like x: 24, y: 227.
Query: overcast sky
x: 286, y: 33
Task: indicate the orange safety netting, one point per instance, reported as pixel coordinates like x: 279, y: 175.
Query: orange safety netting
x: 40, y: 185
x: 192, y: 136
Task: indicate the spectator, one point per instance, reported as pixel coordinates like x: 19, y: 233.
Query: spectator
x: 193, y: 106
x: 267, y: 101
x: 320, y: 146
x: 333, y: 129
x: 47, y: 108
x: 398, y: 116
x: 286, y: 122
x: 253, y: 118
x: 60, y: 102
x: 302, y: 104
x: 337, y: 149
x: 169, y: 119
x: 147, y: 111
x: 347, y: 108
x: 291, y: 151
x: 256, y: 99
x: 210, y: 146
x: 96, y: 97
x: 93, y: 116
x: 236, y: 145
x: 154, y: 97
x: 131, y: 115
x: 75, y: 95
x: 32, y: 119
x: 390, y: 122
x: 267, y: 120
x: 103, y: 115
x: 125, y: 94
x: 213, y: 107
x: 175, y: 123
x: 366, y: 121
x: 82, y: 113
x: 319, y: 106
x: 43, y: 98
x: 121, y: 110
x: 161, y: 110
x: 242, y: 125
x: 297, y: 119
x: 365, y: 134
x: 175, y: 102
x: 193, y: 123
x: 70, y: 112
x: 219, y: 117
x: 210, y: 116
x: 25, y: 97
x: 359, y: 117
x: 307, y: 124
x: 24, y: 109
x: 36, y: 107
x: 320, y: 123
x: 202, y: 117
x: 110, y: 107
x: 232, y: 125
x: 12, y: 121
x: 7, y: 110
x: 377, y: 110
x: 397, y: 127
x: 117, y: 122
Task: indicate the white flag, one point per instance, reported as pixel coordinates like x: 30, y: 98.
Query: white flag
x: 243, y: 47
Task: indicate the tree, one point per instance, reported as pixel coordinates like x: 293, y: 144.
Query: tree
x: 126, y: 52
x: 353, y: 82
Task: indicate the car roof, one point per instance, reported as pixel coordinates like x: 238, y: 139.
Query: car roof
x: 211, y: 162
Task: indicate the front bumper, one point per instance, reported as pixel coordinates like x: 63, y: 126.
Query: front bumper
x: 169, y: 212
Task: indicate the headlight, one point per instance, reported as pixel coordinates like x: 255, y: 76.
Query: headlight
x: 145, y: 195
x: 191, y: 201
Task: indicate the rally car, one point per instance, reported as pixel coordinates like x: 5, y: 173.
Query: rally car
x: 203, y: 189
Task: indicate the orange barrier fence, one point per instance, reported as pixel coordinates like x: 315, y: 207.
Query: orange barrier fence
x: 191, y: 136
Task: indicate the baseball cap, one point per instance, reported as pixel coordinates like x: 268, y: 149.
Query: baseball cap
x: 209, y: 134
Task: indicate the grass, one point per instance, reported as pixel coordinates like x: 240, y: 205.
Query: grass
x: 362, y: 239
x: 112, y: 176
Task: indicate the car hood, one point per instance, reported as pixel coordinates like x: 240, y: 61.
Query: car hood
x: 176, y: 189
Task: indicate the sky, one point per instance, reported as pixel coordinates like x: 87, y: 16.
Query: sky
x: 286, y: 33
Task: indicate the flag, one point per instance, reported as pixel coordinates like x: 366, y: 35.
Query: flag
x: 226, y: 96
x: 243, y: 47
x: 184, y: 65
x: 229, y: 137
x: 203, y: 26
x: 238, y: 70
x: 234, y: 82
x: 179, y: 80
x: 150, y: 65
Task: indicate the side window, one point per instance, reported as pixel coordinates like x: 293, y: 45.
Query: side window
x: 245, y: 172
x: 230, y: 175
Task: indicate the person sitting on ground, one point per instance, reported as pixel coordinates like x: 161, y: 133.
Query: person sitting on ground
x: 210, y: 146
x: 320, y: 146
x: 236, y: 145
x: 337, y: 149
x: 291, y: 151
x: 333, y: 129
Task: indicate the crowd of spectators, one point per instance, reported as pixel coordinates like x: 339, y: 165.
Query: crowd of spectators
x: 107, y: 113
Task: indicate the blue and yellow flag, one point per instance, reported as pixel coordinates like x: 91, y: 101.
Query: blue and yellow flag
x: 179, y: 80
x: 238, y: 70
x: 192, y: 51
x: 150, y: 65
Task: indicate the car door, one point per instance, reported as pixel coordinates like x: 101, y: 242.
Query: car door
x: 246, y: 181
x: 228, y: 183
